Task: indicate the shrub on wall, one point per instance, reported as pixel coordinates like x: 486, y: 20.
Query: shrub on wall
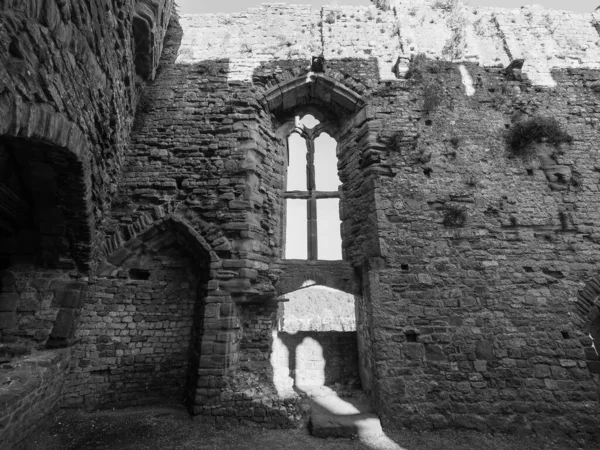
x: 417, y: 67
x: 432, y: 96
x: 395, y: 141
x: 454, y: 216
x: 536, y: 129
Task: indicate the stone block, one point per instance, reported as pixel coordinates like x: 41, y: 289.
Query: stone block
x: 594, y: 366
x: 7, y: 281
x: 434, y: 353
x: 8, y: 301
x: 8, y: 320
x: 64, y: 326
x: 485, y: 350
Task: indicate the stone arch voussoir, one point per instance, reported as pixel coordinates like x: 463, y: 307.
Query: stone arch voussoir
x: 40, y: 123
x: 312, y: 88
x: 200, y: 244
x: 587, y: 306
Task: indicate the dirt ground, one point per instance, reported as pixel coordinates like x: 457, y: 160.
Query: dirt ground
x: 172, y: 428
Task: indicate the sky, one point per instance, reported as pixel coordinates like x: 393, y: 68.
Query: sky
x: 229, y: 6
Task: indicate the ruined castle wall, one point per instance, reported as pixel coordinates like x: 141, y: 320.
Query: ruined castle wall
x: 458, y: 322
x: 68, y: 86
x: 53, y: 55
x: 471, y: 324
x: 30, y: 392
x: 135, y: 335
x: 492, y: 302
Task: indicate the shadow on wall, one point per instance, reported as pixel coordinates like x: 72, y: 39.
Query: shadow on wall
x: 315, y: 343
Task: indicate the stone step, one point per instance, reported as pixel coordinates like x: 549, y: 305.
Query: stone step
x: 341, y: 416
x: 324, y: 424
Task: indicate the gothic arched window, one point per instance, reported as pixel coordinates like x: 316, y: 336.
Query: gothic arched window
x: 311, y: 195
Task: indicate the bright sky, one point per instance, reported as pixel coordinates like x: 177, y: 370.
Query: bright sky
x: 229, y: 6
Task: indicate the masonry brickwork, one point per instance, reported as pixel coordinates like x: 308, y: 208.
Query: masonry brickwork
x: 159, y: 263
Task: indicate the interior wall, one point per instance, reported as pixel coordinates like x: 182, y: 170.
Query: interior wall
x: 136, y: 330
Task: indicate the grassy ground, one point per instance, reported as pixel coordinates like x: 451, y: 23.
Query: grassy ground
x: 169, y: 428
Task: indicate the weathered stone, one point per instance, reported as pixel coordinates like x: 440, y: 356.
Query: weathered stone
x: 8, y: 301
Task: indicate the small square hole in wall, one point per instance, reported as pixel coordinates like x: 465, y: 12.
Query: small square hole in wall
x: 139, y: 274
x: 565, y: 334
x: 411, y: 336
x: 530, y: 172
x: 404, y: 266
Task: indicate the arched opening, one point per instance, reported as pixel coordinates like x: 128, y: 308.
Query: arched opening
x: 312, y: 198
x: 43, y: 206
x: 150, y: 308
x: 315, y: 343
x: 321, y: 121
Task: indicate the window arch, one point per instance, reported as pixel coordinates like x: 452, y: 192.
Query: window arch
x: 311, y: 193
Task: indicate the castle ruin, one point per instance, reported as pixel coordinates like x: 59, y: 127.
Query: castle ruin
x: 144, y: 207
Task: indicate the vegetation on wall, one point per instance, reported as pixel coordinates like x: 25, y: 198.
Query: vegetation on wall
x: 394, y: 142
x: 454, y: 216
x: 432, y: 96
x: 537, y: 129
x: 417, y: 67
x: 456, y: 45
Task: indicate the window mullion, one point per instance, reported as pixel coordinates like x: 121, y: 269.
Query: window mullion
x: 312, y: 228
x: 312, y: 202
x: 310, y: 164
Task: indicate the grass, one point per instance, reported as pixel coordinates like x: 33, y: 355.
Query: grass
x: 537, y: 129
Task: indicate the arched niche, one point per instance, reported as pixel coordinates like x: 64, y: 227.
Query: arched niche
x: 46, y: 209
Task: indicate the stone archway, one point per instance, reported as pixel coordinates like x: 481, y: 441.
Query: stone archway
x: 359, y: 156
x: 588, y: 318
x: 46, y: 189
x: 151, y: 300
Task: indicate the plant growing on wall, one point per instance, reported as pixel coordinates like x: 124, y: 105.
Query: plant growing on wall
x: 417, y: 67
x: 445, y: 4
x: 432, y: 96
x: 537, y: 129
x: 595, y: 87
x: 455, y: 46
x: 395, y: 140
x: 454, y: 216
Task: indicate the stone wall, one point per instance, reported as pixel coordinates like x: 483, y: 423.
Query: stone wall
x: 438, y: 322
x: 491, y: 301
x: 54, y: 59
x: 38, y: 309
x: 473, y: 266
x: 30, y: 391
x: 319, y: 358
x: 68, y: 97
x: 135, y: 334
